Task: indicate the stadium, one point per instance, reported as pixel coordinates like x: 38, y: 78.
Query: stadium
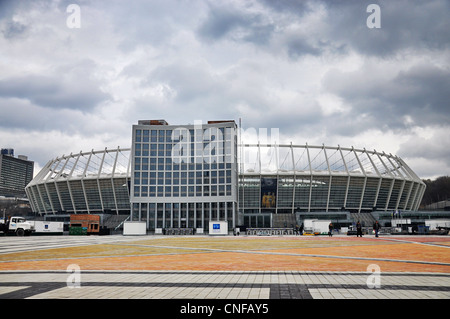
x: 278, y: 185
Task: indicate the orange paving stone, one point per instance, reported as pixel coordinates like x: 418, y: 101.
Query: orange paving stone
x: 225, y: 262
x: 391, y: 251
x: 162, y: 254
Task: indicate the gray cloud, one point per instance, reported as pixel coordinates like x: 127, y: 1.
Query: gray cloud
x: 270, y: 63
x: 428, y: 155
x: 152, y: 23
x: 13, y: 29
x: 416, y: 95
x: 72, y: 86
x: 422, y: 147
x: 7, y: 7
x: 299, y: 47
x: 51, y: 92
x: 19, y: 114
x: 405, y: 25
x: 224, y: 21
x: 261, y: 27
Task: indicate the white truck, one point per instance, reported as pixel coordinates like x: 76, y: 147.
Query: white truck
x: 437, y: 224
x: 47, y: 228
x: 16, y: 225
x: 316, y: 226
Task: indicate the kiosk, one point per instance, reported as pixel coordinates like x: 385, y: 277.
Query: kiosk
x: 218, y: 228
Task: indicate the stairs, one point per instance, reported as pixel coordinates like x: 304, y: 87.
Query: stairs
x: 366, y: 219
x: 115, y: 221
x: 283, y: 220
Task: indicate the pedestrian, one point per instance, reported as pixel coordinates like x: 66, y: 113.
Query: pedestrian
x: 296, y: 230
x: 301, y: 229
x: 330, y: 230
x: 358, y: 229
x: 376, y: 228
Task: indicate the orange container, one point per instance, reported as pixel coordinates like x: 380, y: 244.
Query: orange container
x: 87, y: 221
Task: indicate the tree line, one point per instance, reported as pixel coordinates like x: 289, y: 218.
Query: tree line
x: 437, y: 190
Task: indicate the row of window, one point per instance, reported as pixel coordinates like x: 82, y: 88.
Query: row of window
x: 183, y: 134
x: 153, y: 163
x: 338, y: 195
x: 184, y: 215
x: 182, y: 191
x: 183, y: 149
x: 169, y: 163
x: 183, y: 178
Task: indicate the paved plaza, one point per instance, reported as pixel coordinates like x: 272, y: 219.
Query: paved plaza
x: 203, y: 267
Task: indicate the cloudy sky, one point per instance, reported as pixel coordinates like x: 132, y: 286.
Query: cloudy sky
x: 313, y: 69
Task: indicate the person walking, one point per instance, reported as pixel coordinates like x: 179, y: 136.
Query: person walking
x: 358, y: 229
x: 330, y: 230
x: 376, y: 228
x: 301, y: 229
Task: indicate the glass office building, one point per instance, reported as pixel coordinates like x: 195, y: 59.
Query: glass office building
x: 15, y: 174
x: 184, y: 176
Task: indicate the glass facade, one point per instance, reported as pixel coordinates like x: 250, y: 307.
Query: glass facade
x: 165, y: 167
x: 15, y: 174
x: 322, y: 194
x: 184, y: 176
x: 323, y: 179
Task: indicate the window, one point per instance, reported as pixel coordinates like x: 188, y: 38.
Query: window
x: 145, y: 164
x: 144, y: 191
x: 154, y: 136
x: 145, y: 138
x: 144, y: 178
x: 138, y: 137
x: 176, y: 191
x: 137, y: 149
x: 137, y: 164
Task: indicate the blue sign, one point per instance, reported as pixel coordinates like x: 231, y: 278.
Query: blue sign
x: 216, y: 226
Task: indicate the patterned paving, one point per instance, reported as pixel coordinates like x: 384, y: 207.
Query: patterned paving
x: 222, y: 285
x: 202, y: 267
